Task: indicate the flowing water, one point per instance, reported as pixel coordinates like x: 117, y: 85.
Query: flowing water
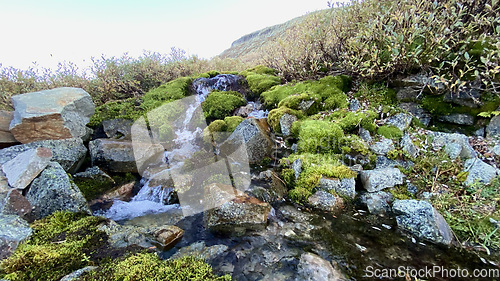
x: 358, y: 243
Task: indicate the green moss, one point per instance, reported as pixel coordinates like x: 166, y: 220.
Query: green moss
x: 261, y: 79
x: 126, y: 109
x: 327, y: 92
x: 401, y: 193
x: 61, y: 244
x: 275, y: 115
x: 232, y: 122
x: 314, y: 167
x: 355, y: 144
x: 437, y: 106
x: 297, y: 101
x: 133, y: 108
x: 173, y: 90
x: 319, y: 136
x: 219, y: 104
x: 390, y: 132
x: 148, y: 267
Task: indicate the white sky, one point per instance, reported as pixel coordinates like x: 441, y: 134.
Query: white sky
x: 50, y: 31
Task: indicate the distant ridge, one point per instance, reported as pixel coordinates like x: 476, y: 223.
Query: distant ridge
x: 252, y: 42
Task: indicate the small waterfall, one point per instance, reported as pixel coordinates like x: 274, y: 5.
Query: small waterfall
x: 157, y: 188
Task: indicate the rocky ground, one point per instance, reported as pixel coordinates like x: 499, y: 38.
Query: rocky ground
x: 426, y: 160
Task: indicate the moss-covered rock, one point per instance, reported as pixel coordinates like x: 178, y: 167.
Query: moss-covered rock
x: 319, y: 136
x: 260, y: 79
x: 390, y: 132
x: 232, y: 122
x: 275, y: 115
x: 220, y: 104
x: 61, y: 244
x: 133, y: 108
x: 314, y: 167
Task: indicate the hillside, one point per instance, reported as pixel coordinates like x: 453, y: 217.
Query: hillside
x: 251, y: 43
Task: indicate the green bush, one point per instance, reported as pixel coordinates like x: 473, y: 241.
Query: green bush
x: 219, y: 104
x: 376, y: 39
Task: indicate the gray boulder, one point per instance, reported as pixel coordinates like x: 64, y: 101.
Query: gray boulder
x: 297, y: 167
x: 344, y: 187
x: 379, y: 179
x: 199, y: 249
x: 13, y: 202
x: 422, y: 220
x: 354, y: 105
x: 479, y: 172
x: 365, y: 135
x: 123, y: 156
x: 382, y: 147
x: 455, y: 144
x: 383, y: 162
x: 118, y: 128
x: 465, y: 97
x: 26, y: 166
x: 13, y: 230
x: 401, y: 120
x: 54, y: 191
x: 377, y: 203
x: 76, y: 275
x: 493, y: 128
x: 6, y: 137
x: 69, y: 152
x: 312, y: 267
x: 254, y: 134
x: 457, y: 118
x: 286, y: 122
x: 418, y: 112
x: 326, y: 201
x: 408, y: 146
x: 238, y: 213
x: 55, y: 114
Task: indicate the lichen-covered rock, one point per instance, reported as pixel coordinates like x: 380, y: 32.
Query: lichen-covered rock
x: 493, y: 128
x: 459, y: 143
x: 167, y: 235
x: 422, y: 220
x: 326, y: 201
x: 55, y: 114
x: 13, y: 230
x: 401, y: 120
x: 478, y: 171
x: 69, y: 152
x: 54, y: 191
x: 312, y: 267
x: 297, y: 167
x: 377, y: 202
x: 408, y: 146
x: 236, y: 215
x: 254, y: 134
x: 286, y: 122
x: 418, y: 112
x: 379, y: 179
x: 199, y: 249
x: 118, y: 128
x: 6, y: 137
x: 382, y: 147
x: 120, y: 155
x: 457, y: 118
x: 74, y: 276
x: 26, y: 166
x: 344, y: 187
x: 13, y: 202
